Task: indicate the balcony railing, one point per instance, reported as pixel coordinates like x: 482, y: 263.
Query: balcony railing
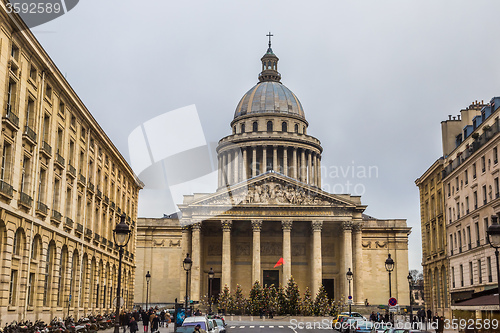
x: 82, y: 179
x: 110, y: 243
x: 97, y: 237
x: 88, y: 232
x: 60, y: 160
x: 71, y: 170
x: 106, y: 200
x: 112, y: 205
x: 11, y: 117
x: 98, y: 193
x: 42, y: 208
x: 46, y: 149
x: 104, y: 241
x: 68, y: 222
x: 6, y: 188
x: 56, y: 215
x: 25, y: 200
x: 90, y: 186
x: 118, y: 210
x: 29, y: 134
x: 79, y: 228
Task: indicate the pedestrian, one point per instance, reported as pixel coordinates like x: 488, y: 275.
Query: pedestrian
x: 145, y: 321
x: 198, y: 329
x: 155, y: 322
x: 133, y: 325
x: 162, y: 318
x: 168, y: 320
x: 123, y: 321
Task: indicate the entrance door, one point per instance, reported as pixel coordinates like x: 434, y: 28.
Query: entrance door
x: 328, y: 285
x: 271, y: 277
x: 215, y: 288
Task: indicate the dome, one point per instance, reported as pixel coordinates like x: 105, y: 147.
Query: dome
x: 269, y: 96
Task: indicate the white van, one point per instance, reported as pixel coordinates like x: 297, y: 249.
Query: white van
x: 205, y: 324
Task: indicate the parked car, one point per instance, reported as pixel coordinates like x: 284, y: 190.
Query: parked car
x: 336, y: 319
x: 348, y: 324
x: 354, y: 315
x: 221, y: 325
x: 362, y: 327
x: 204, y: 323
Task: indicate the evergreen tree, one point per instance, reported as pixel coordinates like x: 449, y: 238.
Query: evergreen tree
x: 322, y: 303
x: 270, y: 299
x: 225, y: 300
x: 281, y: 300
x: 239, y: 301
x: 293, y: 297
x: 307, y: 306
x: 256, y: 299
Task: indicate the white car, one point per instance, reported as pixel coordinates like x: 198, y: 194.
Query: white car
x: 354, y: 315
x: 204, y: 323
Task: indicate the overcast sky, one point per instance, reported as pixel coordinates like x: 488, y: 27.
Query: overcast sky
x: 375, y: 78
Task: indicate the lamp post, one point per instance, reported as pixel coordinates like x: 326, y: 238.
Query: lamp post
x: 210, y: 280
x: 389, y: 266
x: 410, y: 284
x: 349, y: 278
x: 494, y: 240
x: 148, y: 277
x: 121, y: 235
x: 187, y: 263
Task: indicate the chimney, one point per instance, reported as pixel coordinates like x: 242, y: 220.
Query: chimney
x: 449, y: 117
x: 458, y: 117
x: 454, y: 117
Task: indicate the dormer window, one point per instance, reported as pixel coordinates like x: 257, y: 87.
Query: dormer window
x: 269, y: 126
x: 255, y: 126
x: 284, y: 127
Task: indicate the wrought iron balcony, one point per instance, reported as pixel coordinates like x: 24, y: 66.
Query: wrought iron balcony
x: 25, y: 200
x: 11, y: 118
x: 42, y: 208
x: 110, y: 243
x: 81, y: 179
x: 112, y: 205
x: 106, y: 200
x: 88, y: 232
x: 98, y: 193
x: 97, y: 237
x: 56, y: 216
x: 6, y: 188
x: 90, y: 187
x: 71, y: 171
x: 118, y: 210
x: 68, y: 222
x: 60, y: 161
x: 29, y: 135
x: 79, y: 228
x: 46, y: 149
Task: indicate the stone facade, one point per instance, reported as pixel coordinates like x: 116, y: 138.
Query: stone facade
x: 434, y: 245
x: 472, y: 199
x: 63, y: 188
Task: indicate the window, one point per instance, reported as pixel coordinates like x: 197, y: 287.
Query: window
x: 497, y: 194
x: 479, y: 271
x: 46, y: 128
x: 73, y: 121
x: 57, y: 194
x: 11, y: 97
x: 449, y: 189
x: 483, y: 164
x: 456, y: 183
x: 478, y: 242
x: 6, y: 161
x: 284, y: 127
x: 304, y: 130
x: 25, y: 175
x: 469, y: 238
x: 60, y: 141
x: 488, y: 264
x: 48, y: 274
x: 255, y: 126
x: 466, y: 205
x: 42, y: 185
x: 30, y: 114
x: 484, y: 195
x: 466, y: 177
x: 33, y: 73
x: 453, y: 276
x: 14, y: 51
x: 474, y: 171
x: 34, y: 249
x: 495, y: 155
x: 269, y: 126
x: 242, y: 128
x: 451, y: 244
x: 61, y: 108
x: 13, y: 287
x: 449, y: 213
x: 31, y: 288
x: 458, y: 210
x: 71, y: 156
x: 471, y: 273
x: 459, y: 242
x: 79, y: 210
x: 234, y: 129
x: 82, y: 133
x: 296, y: 128
x: 68, y: 202
x: 486, y: 225
x: 474, y: 196
x: 48, y: 92
x: 461, y: 275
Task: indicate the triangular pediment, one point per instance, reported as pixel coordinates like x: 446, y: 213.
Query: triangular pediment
x: 272, y: 189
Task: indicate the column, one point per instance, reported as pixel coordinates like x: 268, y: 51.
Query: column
x: 229, y: 168
x: 264, y: 159
x: 285, y: 161
x: 314, y: 169
x: 194, y: 293
x: 226, y: 253
x: 254, y: 161
x: 287, y: 251
x: 275, y: 158
x: 309, y: 168
x: 347, y: 226
x: 319, y: 170
x: 256, y: 227
x: 236, y: 166
x: 245, y: 164
x: 186, y: 248
x: 317, y: 263
x: 303, y: 174
x: 219, y: 169
x: 224, y: 169
x: 294, y: 162
x: 358, y: 269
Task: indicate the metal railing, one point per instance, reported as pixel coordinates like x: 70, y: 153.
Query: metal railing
x: 88, y: 232
x: 11, y: 116
x: 72, y: 170
x: 56, y: 215
x: 30, y: 133
x: 90, y: 186
x: 25, y: 199
x: 42, y: 208
x: 6, y: 188
x: 79, y: 227
x: 68, y: 222
x: 60, y: 159
x: 46, y: 148
x: 82, y: 179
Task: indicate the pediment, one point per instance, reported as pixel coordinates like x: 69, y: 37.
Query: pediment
x: 272, y: 189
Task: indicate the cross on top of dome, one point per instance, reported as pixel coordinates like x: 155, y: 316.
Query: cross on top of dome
x: 269, y: 65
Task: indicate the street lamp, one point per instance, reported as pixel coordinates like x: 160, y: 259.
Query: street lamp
x: 410, y: 284
x: 389, y: 266
x: 494, y: 240
x: 349, y: 278
x: 210, y: 279
x: 148, y: 277
x: 121, y: 235
x: 187, y: 263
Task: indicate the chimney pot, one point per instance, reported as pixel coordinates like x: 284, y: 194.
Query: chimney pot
x: 449, y: 117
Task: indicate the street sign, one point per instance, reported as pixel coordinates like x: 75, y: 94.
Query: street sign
x: 393, y: 301
x: 393, y: 309
x: 122, y: 302
x: 349, y: 297
x: 349, y: 301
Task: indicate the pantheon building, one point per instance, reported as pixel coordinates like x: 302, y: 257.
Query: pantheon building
x: 269, y: 205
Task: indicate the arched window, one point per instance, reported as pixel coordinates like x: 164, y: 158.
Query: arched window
x: 18, y: 236
x: 304, y: 130
x: 296, y: 128
x: 49, y: 265
x: 242, y: 128
x: 62, y: 275
x: 284, y: 127
x: 234, y: 129
x: 269, y: 126
x: 255, y: 126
